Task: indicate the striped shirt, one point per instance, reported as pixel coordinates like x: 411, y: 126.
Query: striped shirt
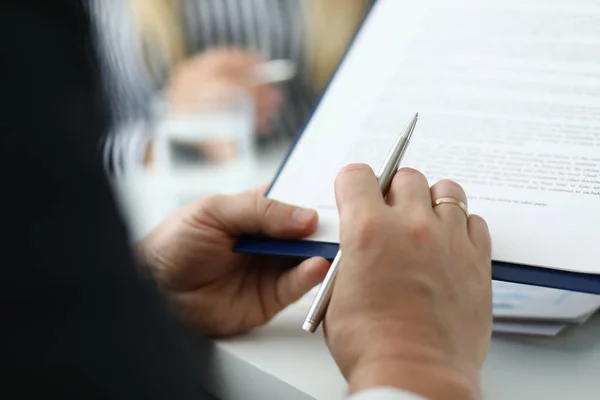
x: 275, y: 28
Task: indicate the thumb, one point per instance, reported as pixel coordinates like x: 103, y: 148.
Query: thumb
x: 296, y: 282
x: 253, y: 213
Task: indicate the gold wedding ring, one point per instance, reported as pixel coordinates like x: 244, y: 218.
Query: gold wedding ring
x: 451, y: 200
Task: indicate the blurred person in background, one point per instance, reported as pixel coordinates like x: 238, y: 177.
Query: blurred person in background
x: 173, y: 49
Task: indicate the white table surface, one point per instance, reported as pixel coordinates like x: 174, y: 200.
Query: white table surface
x: 280, y: 361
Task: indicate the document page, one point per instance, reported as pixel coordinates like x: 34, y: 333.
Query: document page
x: 508, y: 95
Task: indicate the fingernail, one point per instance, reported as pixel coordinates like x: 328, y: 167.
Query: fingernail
x: 303, y: 216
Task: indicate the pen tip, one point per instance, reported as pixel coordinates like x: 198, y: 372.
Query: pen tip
x: 309, y: 326
x: 417, y: 115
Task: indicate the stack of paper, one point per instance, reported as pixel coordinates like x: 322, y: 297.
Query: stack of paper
x: 531, y: 310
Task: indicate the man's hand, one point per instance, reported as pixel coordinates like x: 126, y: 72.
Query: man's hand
x: 411, y: 306
x: 216, y: 291
x: 222, y: 70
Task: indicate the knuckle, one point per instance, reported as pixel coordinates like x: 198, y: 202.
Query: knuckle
x: 424, y: 288
x: 367, y: 230
x: 354, y: 168
x: 410, y: 171
x: 422, y: 232
x: 451, y: 187
x: 408, y: 175
x: 206, y: 209
x: 265, y: 206
x: 346, y: 175
x: 211, y: 202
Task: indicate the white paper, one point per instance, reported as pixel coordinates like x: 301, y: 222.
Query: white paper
x: 525, y: 328
x: 509, y: 100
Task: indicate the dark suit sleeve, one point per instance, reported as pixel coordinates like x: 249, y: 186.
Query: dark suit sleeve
x: 77, y: 320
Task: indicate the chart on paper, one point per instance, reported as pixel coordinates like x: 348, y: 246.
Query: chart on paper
x: 524, y: 309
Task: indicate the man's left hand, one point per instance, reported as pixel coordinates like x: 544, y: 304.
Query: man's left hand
x: 217, y: 291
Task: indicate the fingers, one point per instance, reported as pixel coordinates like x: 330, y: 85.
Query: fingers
x: 454, y: 216
x: 479, y: 234
x: 252, y: 213
x: 450, y: 213
x: 296, y: 282
x: 410, y: 191
x: 357, y: 191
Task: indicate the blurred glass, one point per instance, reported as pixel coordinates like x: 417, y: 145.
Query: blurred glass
x: 209, y: 142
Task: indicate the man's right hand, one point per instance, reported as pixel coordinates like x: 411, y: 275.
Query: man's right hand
x: 412, y: 304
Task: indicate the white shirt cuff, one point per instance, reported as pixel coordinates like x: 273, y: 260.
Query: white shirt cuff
x: 385, y: 393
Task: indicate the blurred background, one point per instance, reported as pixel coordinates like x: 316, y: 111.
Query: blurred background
x: 208, y: 95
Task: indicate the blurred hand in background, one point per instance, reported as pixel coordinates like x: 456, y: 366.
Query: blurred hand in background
x: 223, y: 70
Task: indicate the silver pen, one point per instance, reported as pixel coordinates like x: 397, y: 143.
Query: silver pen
x: 384, y: 177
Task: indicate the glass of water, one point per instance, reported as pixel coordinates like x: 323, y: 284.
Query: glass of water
x: 207, y: 146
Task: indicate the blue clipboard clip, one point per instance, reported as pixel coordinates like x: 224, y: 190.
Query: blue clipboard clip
x: 501, y: 271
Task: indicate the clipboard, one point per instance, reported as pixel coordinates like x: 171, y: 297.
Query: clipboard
x: 501, y: 271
